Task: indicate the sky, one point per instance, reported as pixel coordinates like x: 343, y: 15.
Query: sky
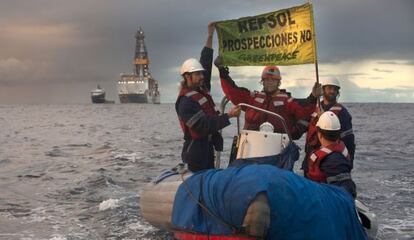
x: 57, y: 51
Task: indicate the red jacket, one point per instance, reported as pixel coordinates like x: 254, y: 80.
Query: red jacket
x: 279, y: 103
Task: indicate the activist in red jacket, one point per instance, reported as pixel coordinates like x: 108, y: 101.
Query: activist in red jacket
x: 272, y: 99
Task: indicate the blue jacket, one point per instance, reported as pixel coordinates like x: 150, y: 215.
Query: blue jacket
x: 333, y: 166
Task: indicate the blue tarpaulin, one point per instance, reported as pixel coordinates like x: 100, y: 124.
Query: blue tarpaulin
x: 300, y: 208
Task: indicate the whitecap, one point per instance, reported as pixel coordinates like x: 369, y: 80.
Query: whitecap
x: 109, y: 204
x: 127, y: 156
x: 58, y: 237
x: 141, y: 226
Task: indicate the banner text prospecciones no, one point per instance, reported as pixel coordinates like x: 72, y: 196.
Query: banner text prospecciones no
x: 283, y: 37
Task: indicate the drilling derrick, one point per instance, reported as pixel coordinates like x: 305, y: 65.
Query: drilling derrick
x: 140, y: 86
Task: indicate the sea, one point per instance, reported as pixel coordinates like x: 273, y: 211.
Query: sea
x: 77, y: 171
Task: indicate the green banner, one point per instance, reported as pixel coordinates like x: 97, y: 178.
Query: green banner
x: 283, y: 37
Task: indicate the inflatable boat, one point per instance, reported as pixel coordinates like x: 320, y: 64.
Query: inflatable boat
x: 257, y: 197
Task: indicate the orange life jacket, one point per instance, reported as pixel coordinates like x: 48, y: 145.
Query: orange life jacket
x: 314, y: 160
x: 206, y: 103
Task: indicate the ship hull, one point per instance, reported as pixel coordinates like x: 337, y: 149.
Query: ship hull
x: 133, y: 98
x: 98, y: 98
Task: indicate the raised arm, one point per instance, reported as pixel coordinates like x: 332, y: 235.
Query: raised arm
x: 206, y: 58
x: 209, y: 41
x: 233, y: 92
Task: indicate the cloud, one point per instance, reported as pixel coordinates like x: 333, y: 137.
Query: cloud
x: 389, y: 62
x: 355, y: 29
x: 14, y: 72
x: 383, y: 70
x: 396, y: 62
x: 409, y: 88
x: 44, y: 35
x: 74, y: 45
x: 351, y: 92
x: 353, y: 74
x: 302, y: 79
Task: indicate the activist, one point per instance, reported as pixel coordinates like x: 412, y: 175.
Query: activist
x: 272, y: 99
x: 196, y: 112
x: 330, y: 163
x: 330, y: 87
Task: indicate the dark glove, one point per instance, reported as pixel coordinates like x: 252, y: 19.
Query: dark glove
x: 218, y: 62
x: 223, y: 70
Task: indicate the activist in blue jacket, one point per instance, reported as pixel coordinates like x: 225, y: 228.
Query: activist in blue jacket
x: 330, y: 88
x: 196, y: 111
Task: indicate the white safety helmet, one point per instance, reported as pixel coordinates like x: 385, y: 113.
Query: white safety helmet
x: 332, y: 81
x: 191, y: 65
x: 329, y: 121
x: 266, y: 127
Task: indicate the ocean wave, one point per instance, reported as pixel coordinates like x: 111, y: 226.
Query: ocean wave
x: 109, y: 204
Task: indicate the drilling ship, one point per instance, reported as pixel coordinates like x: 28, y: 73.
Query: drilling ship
x: 139, y: 87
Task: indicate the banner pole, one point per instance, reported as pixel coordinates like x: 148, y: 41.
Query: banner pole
x: 318, y: 101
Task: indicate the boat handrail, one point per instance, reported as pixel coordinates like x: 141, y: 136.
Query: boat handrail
x: 268, y: 112
x: 223, y: 104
